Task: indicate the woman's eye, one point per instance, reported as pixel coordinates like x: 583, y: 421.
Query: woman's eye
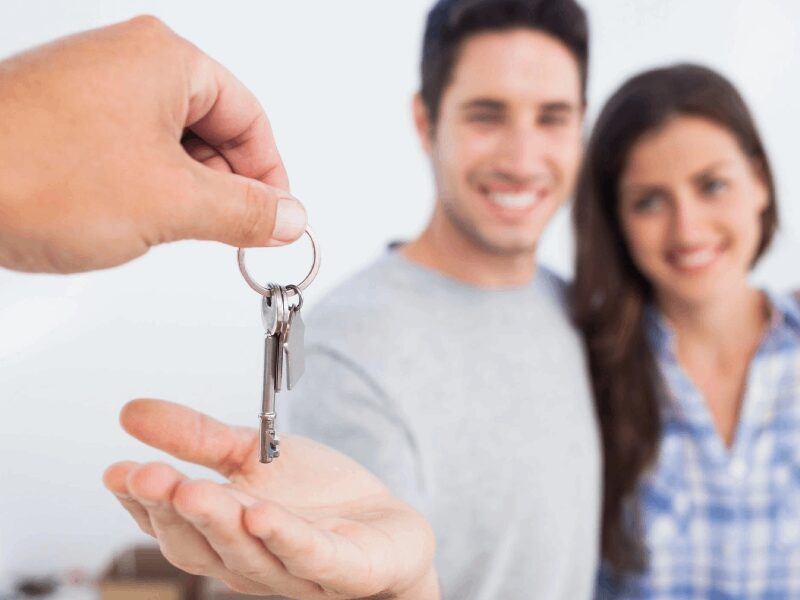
x: 714, y: 186
x: 647, y: 203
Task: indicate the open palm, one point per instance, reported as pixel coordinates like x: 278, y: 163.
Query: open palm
x: 312, y: 524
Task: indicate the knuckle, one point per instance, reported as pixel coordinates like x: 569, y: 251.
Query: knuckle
x: 153, y: 37
x: 225, y: 537
x: 149, y: 23
x: 256, y: 223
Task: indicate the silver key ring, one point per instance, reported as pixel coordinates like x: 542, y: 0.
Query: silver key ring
x: 299, y: 295
x: 291, y: 290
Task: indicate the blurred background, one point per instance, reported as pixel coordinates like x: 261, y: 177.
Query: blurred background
x: 336, y: 79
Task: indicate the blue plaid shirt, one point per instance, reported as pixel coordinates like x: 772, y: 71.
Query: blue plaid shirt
x: 724, y: 523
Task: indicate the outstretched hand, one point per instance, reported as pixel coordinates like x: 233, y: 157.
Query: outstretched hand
x: 311, y: 524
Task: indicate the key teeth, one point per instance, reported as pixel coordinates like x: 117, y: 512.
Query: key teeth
x: 274, y: 445
x: 270, y: 442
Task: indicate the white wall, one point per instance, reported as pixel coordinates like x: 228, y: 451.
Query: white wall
x: 336, y: 79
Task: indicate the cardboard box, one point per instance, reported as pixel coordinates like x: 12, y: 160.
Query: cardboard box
x: 213, y: 589
x: 142, y: 573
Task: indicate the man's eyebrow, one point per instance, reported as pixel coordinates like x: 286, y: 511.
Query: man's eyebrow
x: 561, y: 106
x: 484, y: 103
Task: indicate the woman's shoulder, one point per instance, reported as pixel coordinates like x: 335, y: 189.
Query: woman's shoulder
x: 788, y: 303
x: 794, y: 297
x: 791, y: 297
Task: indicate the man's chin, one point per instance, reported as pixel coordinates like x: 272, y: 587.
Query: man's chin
x: 507, y: 242
x: 508, y: 248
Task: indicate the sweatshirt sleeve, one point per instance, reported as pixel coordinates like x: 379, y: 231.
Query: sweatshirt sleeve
x: 338, y: 404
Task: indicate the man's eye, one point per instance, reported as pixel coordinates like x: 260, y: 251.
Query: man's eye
x: 484, y: 118
x: 552, y: 119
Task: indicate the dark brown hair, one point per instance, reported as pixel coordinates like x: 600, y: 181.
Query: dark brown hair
x: 610, y: 295
x: 451, y: 22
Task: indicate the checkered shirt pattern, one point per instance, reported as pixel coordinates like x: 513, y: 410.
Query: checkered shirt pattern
x: 724, y: 523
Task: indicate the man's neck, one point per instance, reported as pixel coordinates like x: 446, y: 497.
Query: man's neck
x: 442, y: 248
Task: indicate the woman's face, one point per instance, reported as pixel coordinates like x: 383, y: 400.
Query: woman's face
x: 690, y: 206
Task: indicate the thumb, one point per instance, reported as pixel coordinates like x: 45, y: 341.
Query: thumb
x: 237, y: 210
x: 188, y: 435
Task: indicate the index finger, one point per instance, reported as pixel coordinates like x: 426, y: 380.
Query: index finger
x: 227, y: 116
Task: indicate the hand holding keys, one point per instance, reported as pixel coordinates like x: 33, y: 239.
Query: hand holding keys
x: 283, y: 344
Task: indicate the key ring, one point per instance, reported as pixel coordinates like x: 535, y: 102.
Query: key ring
x: 291, y: 290
x: 299, y: 294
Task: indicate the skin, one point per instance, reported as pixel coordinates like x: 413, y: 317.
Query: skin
x: 312, y: 525
x: 690, y: 208
x: 118, y: 139
x: 509, y: 122
x: 91, y: 160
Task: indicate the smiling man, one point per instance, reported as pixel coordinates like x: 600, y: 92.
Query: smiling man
x: 449, y: 367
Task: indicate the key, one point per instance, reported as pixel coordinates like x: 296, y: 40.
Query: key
x: 284, y: 331
x: 270, y: 443
x: 293, y: 343
x: 281, y: 334
x: 273, y: 315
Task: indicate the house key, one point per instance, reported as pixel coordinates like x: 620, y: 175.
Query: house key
x: 283, y: 345
x: 273, y: 315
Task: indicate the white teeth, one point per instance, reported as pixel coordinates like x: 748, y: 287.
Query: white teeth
x: 691, y: 260
x: 521, y: 200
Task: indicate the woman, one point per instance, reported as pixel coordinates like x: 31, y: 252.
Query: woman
x: 696, y: 373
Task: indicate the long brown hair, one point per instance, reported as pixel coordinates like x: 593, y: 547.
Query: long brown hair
x: 610, y: 295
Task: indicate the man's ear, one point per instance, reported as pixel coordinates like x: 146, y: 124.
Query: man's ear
x: 423, y: 123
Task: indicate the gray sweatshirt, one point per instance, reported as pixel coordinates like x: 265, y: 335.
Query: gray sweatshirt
x: 473, y: 405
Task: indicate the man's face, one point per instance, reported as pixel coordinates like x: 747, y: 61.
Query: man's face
x: 507, y: 144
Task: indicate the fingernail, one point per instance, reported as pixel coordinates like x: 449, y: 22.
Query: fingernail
x: 290, y: 220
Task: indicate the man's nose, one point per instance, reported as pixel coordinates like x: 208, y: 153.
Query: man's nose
x: 522, y: 152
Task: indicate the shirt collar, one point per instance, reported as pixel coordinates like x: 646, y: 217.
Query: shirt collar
x: 784, y: 315
x: 783, y: 331
x: 659, y: 334
x: 785, y: 311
